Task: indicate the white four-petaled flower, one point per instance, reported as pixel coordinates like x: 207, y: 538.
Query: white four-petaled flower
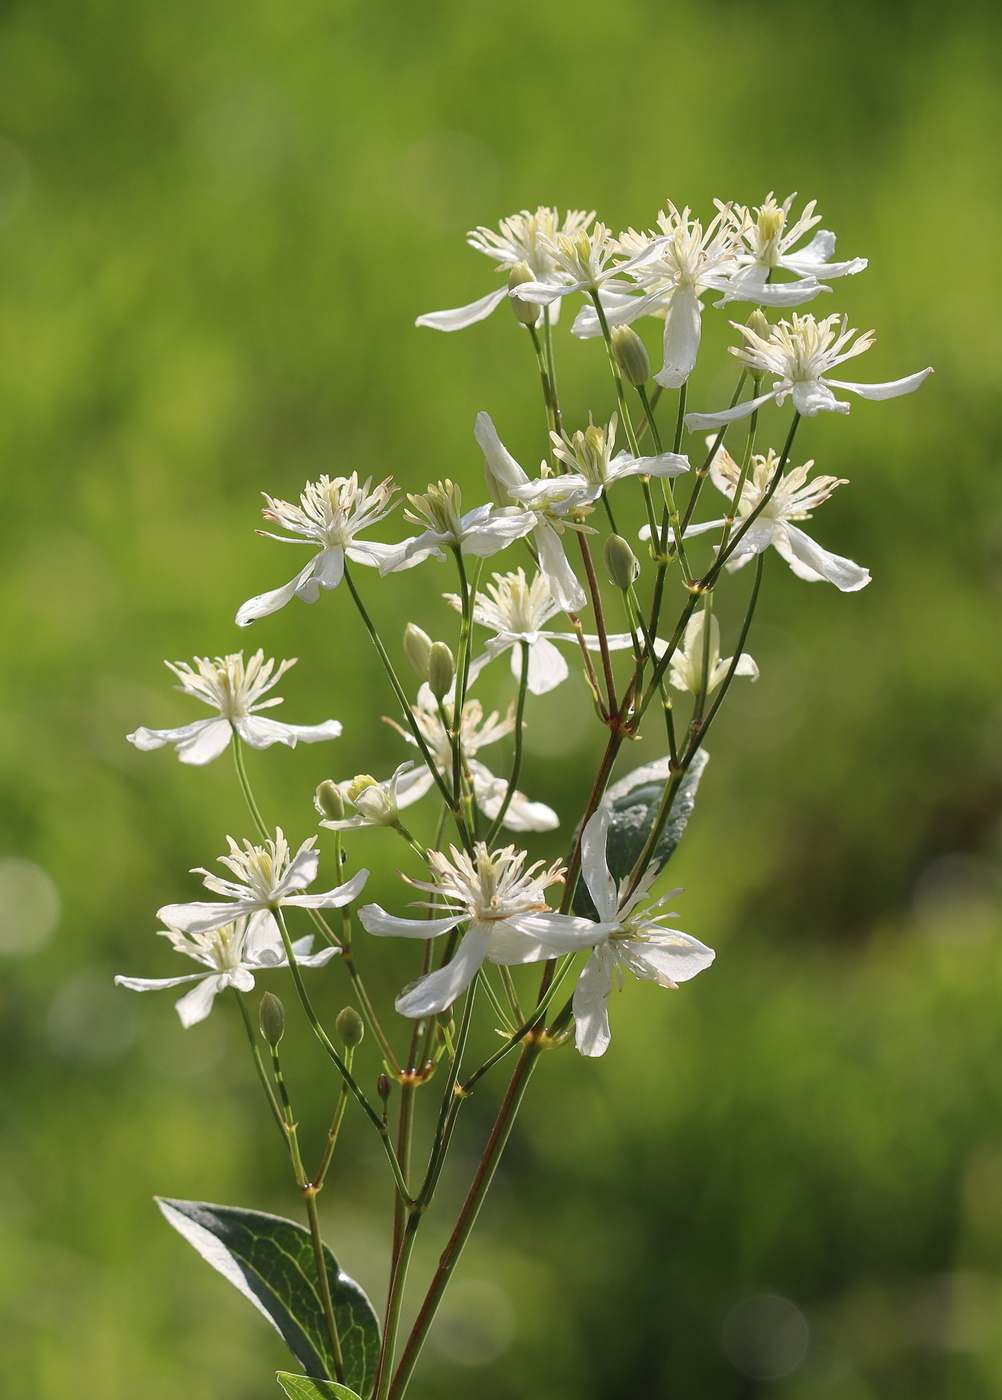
x: 699, y: 656
x: 502, y: 902
x: 232, y: 953
x: 235, y: 689
x: 267, y: 877
x: 800, y: 352
x: 767, y: 243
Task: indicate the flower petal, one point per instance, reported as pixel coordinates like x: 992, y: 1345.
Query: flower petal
x: 332, y: 899
x: 201, y: 917
x: 436, y: 991
x: 511, y: 945
x: 198, y: 1003
x: 847, y: 576
x: 566, y: 933
x: 461, y: 316
x: 671, y: 957
x: 683, y: 329
x: 261, y: 733
x: 500, y: 462
x: 153, y: 984
x: 265, y: 603
x: 591, y: 1006
x: 374, y: 919
x: 196, y: 743
x: 565, y: 590
x: 595, y: 863
x: 891, y: 390
x: 547, y: 668
x: 695, y: 421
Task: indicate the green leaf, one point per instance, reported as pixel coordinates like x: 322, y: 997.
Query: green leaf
x: 271, y: 1261
x: 303, y: 1388
x: 634, y: 802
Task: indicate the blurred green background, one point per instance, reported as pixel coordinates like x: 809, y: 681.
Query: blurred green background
x: 219, y: 222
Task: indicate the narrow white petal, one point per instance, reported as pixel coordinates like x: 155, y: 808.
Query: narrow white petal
x: 413, y: 785
x: 566, y: 933
x: 774, y: 293
x: 665, y: 464
x: 811, y: 397
x: 673, y: 957
x: 547, y: 668
x: 747, y: 666
x: 198, y: 1003
x: 695, y: 421
x: 332, y: 899
x: 591, y: 1007
x: 263, y: 941
x: 153, y: 984
x: 261, y: 733
x: 196, y: 743
x: 327, y: 573
x: 843, y: 573
x: 438, y: 990
x: 595, y: 863
x: 683, y: 329
x: 500, y: 461
x: 302, y: 871
x: 891, y: 390
x: 513, y: 946
x: 462, y: 316
x: 315, y: 959
x: 374, y: 919
x: 202, y: 917
x: 565, y: 590
x: 265, y: 603
x: 543, y: 293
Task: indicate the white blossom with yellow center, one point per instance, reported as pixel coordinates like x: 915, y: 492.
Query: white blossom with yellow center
x: 234, y: 687
x: 767, y: 242
x: 482, y: 531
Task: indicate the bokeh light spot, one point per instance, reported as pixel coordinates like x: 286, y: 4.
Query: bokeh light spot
x: 29, y: 906
x: 476, y: 1323
x: 766, y: 1337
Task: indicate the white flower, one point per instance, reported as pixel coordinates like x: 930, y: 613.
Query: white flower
x: 518, y: 241
x: 332, y: 511
x: 266, y: 879
x: 234, y: 689
x: 794, y: 499
x: 674, y: 268
x: 516, y: 611
x: 687, y: 663
x: 375, y: 803
x: 583, y: 259
x: 483, y: 531
x: 502, y: 902
x: 800, y: 352
x: 232, y: 953
x: 475, y: 733
x: 769, y: 243
x: 593, y: 468
x: 504, y: 475
x: 624, y: 937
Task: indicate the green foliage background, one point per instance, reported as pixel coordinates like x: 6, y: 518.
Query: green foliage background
x: 221, y: 220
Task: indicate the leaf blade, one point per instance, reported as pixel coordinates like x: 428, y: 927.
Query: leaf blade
x: 306, y: 1388
x: 270, y: 1261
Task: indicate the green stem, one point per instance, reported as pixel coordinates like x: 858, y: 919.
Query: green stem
x: 624, y: 411
x: 245, y: 788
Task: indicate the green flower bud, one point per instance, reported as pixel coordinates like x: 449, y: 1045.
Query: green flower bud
x: 417, y: 649
x: 757, y: 322
x: 272, y: 1019
x: 350, y: 1027
x: 621, y: 563
x: 525, y: 311
x: 631, y: 355
x: 441, y: 670
x: 328, y: 801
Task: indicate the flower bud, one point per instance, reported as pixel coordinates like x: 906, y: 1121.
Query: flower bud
x: 441, y: 670
x: 525, y: 311
x: 417, y: 649
x: 383, y: 1087
x: 631, y: 356
x: 757, y: 322
x: 350, y: 1027
x: 328, y: 801
x: 621, y: 563
x: 272, y: 1019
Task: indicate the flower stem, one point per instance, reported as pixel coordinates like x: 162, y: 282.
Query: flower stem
x: 245, y: 787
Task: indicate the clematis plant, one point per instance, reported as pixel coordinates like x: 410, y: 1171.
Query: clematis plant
x: 518, y: 947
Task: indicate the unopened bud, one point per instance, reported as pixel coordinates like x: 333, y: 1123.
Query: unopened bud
x: 525, y: 311
x: 383, y: 1087
x: 350, y: 1027
x: 631, y: 356
x: 441, y: 670
x: 272, y: 1019
x: 417, y: 649
x: 622, y: 564
x: 328, y: 801
x: 757, y: 322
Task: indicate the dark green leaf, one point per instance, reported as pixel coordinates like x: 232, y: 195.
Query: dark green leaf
x: 634, y: 802
x: 304, y: 1388
x: 271, y: 1261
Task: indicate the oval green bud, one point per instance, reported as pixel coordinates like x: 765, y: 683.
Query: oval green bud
x: 272, y: 1019
x: 328, y: 801
x: 631, y: 356
x: 622, y: 564
x: 383, y: 1087
x: 525, y: 311
x: 757, y: 322
x: 441, y: 670
x: 350, y: 1027
x: 417, y: 649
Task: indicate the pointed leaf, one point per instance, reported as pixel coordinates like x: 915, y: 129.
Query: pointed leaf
x: 304, y: 1388
x: 633, y: 804
x: 271, y: 1261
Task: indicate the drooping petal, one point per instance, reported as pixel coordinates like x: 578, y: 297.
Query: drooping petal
x: 263, y: 942
x: 153, y: 984
x: 511, y: 945
x: 747, y: 666
x: 566, y: 933
x: 203, y: 917
x: 847, y: 576
x: 891, y: 390
x: 197, y: 1004
x: 521, y: 814
x: 695, y: 421
x: 811, y: 397
x: 500, y: 462
x: 374, y: 919
x: 196, y: 743
x: 664, y: 464
x: 595, y: 863
x: 565, y: 590
x: 438, y: 990
x: 591, y: 1005
x: 332, y: 899
x: 670, y: 957
x: 261, y: 733
x: 308, y: 959
x: 683, y: 329
x: 413, y: 785
x: 461, y: 316
x: 265, y: 603
x: 621, y: 309
x: 547, y: 668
